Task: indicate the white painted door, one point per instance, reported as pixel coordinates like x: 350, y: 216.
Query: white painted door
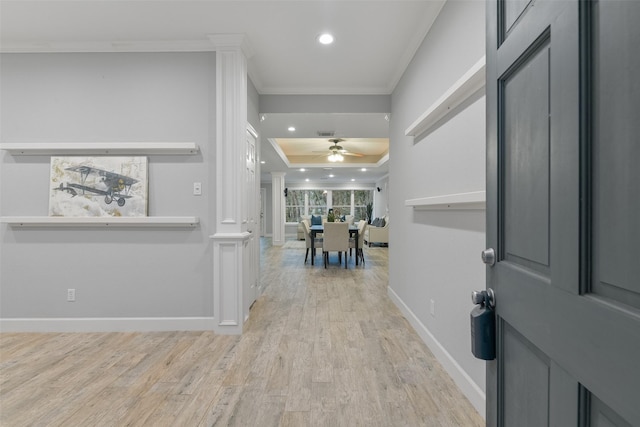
x: 263, y: 211
x: 250, y: 291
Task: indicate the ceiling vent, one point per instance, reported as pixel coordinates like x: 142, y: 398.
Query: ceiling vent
x: 325, y: 134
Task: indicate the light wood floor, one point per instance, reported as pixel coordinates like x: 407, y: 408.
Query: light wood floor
x: 322, y: 348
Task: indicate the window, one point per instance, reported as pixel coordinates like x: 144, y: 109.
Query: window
x: 317, y: 202
x: 295, y: 205
x: 360, y: 200
x: 341, y: 202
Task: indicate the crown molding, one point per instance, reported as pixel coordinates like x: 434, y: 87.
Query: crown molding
x: 211, y: 43
x: 350, y: 90
x: 279, y: 152
x: 232, y: 41
x: 110, y: 46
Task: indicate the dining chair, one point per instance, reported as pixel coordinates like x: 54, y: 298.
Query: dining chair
x: 335, y: 239
x: 362, y: 226
x: 317, y: 241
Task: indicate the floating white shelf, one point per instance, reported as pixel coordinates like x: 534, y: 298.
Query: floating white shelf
x: 110, y: 148
x: 474, y: 200
x: 58, y: 221
x: 471, y: 82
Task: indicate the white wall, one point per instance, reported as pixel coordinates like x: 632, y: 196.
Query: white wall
x: 253, y: 101
x: 435, y: 255
x: 111, y: 97
x: 381, y: 198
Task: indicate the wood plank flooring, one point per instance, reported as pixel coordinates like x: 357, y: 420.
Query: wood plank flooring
x: 323, y: 347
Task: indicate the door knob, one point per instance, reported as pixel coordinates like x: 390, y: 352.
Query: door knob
x: 489, y: 256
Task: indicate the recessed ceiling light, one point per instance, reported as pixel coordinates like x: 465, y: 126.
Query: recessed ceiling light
x: 363, y: 169
x: 353, y: 179
x: 325, y: 38
x: 302, y: 169
x: 262, y: 162
x: 307, y: 180
x: 291, y: 129
x: 331, y: 176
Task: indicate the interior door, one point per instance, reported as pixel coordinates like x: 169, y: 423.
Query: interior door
x: 263, y: 211
x: 563, y: 212
x: 250, y: 293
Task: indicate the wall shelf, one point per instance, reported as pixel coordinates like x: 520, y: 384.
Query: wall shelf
x: 58, y: 221
x: 100, y: 148
x: 469, y: 201
x: 470, y: 83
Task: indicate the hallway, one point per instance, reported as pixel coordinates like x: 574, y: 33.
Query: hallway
x: 322, y: 348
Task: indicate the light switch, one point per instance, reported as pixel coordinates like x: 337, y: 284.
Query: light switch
x: 197, y: 188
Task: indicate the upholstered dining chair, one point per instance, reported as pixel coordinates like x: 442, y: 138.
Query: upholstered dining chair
x: 335, y: 239
x: 317, y: 241
x: 362, y: 226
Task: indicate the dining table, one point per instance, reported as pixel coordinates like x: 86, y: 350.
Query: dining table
x: 315, y: 229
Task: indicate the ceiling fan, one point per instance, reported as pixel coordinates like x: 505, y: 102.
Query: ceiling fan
x: 337, y: 152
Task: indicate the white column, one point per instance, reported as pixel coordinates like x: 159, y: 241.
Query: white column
x: 279, y: 211
x: 230, y: 260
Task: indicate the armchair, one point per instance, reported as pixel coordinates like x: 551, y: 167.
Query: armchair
x: 377, y: 233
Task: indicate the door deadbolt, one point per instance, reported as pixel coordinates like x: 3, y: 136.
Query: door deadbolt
x: 489, y: 256
x: 483, y: 325
x: 485, y: 297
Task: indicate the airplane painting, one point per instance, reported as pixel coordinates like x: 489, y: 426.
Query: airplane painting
x: 117, y: 186
x: 98, y: 186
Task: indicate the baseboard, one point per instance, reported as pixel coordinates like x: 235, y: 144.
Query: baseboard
x: 108, y: 324
x: 469, y: 388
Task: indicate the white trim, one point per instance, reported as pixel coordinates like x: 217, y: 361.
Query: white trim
x: 231, y: 236
x: 232, y: 42
x: 109, y: 148
x: 470, y: 83
x: 252, y: 130
x: 338, y: 165
x: 384, y: 159
x: 111, y: 221
x: 279, y: 151
x: 471, y: 200
x: 107, y: 324
x: 202, y: 45
x: 469, y: 388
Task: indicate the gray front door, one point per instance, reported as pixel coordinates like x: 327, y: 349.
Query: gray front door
x: 563, y: 211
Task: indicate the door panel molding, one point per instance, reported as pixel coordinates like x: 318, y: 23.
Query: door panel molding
x: 615, y: 186
x: 522, y: 406
x: 524, y: 158
x: 510, y: 13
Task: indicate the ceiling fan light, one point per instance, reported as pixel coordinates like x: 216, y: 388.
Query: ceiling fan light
x: 339, y: 157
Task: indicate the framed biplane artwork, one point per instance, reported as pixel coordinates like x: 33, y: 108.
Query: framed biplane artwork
x: 98, y: 186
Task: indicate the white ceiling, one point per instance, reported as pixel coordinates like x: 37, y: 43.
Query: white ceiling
x: 374, y: 41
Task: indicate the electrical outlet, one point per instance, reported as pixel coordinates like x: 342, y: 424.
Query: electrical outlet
x: 432, y: 308
x: 71, y: 295
x: 197, y: 188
